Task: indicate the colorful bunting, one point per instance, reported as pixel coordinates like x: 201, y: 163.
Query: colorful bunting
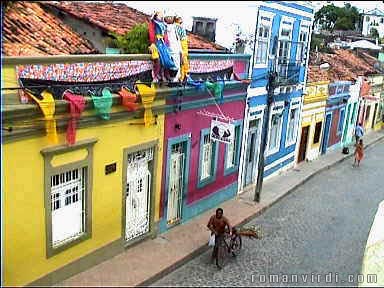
x: 147, y: 95
x: 47, y: 106
x: 128, y: 99
x: 103, y: 104
x: 76, y: 107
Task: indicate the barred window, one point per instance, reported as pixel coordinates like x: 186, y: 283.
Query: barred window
x: 207, y: 157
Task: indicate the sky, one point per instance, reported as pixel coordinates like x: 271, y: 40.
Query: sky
x: 228, y: 13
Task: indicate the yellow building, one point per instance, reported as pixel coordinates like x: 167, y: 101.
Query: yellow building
x: 69, y: 207
x: 373, y: 109
x: 312, y: 120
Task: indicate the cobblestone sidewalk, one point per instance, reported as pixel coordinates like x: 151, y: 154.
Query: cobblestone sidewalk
x: 150, y: 260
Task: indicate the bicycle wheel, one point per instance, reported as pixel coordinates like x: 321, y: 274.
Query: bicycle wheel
x: 236, y: 244
x: 221, y: 255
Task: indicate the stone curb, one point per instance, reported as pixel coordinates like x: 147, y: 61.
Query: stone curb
x: 205, y: 247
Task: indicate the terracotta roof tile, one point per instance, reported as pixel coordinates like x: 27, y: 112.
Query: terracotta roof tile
x: 30, y: 30
x: 119, y: 18
x: 344, y: 65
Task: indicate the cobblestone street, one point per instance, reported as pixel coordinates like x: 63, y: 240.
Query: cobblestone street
x: 321, y: 227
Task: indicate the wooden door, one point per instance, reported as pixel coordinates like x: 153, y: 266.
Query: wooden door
x: 303, y: 143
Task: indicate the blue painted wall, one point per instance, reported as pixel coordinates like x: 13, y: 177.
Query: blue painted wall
x: 259, y: 78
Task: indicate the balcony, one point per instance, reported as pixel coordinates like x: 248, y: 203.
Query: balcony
x: 288, y: 73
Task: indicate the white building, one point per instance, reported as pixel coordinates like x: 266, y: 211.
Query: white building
x: 373, y: 19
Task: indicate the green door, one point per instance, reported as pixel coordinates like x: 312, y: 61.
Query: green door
x: 344, y: 139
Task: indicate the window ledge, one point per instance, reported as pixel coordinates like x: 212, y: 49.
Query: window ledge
x: 273, y: 151
x: 231, y: 170
x: 206, y: 181
x: 60, y: 248
x: 67, y: 148
x: 290, y: 143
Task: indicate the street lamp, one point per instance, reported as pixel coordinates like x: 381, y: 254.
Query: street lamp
x: 271, y: 85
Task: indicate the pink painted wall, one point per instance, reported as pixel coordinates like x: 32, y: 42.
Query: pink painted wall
x: 193, y: 123
x: 333, y: 137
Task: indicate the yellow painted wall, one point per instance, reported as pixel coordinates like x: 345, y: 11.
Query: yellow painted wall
x: 23, y: 170
x: 313, y: 112
x: 8, y: 75
x: 377, y: 84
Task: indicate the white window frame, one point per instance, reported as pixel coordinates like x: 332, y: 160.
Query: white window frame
x: 285, y: 38
x: 230, y: 154
x: 55, y: 247
x: 233, y: 149
x: 295, y: 104
x: 276, y: 108
x: 341, y: 121
x: 265, y: 23
x: 206, y: 166
x: 304, y: 27
x: 64, y: 187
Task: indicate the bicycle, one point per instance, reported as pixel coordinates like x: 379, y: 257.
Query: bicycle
x: 225, y: 247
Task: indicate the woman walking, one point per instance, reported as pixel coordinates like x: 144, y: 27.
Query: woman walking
x: 359, y: 153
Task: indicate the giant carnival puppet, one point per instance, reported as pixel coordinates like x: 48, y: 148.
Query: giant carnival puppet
x: 174, y: 46
x: 182, y: 33
x: 168, y: 47
x: 159, y: 48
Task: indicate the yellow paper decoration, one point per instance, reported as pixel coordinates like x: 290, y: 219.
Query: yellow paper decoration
x: 47, y: 106
x: 185, y: 66
x: 147, y: 95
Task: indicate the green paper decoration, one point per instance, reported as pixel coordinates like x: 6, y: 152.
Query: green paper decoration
x: 103, y: 104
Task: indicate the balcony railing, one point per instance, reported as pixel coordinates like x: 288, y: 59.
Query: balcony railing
x: 288, y: 72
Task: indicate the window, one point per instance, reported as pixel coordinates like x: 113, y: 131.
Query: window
x: 340, y: 89
x: 293, y: 122
x: 67, y: 198
x: 230, y: 159
x: 233, y: 152
x: 302, y: 46
x: 208, y: 158
x: 367, y: 18
x: 210, y: 27
x: 341, y: 121
x: 286, y: 32
x: 262, y: 44
x: 67, y: 207
x: 274, y: 138
x: 332, y: 90
x: 381, y: 20
x: 284, y: 48
x: 316, y: 138
x: 276, y: 123
x: 199, y: 27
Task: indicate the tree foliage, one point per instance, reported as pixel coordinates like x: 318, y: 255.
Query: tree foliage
x: 331, y: 17
x: 134, y: 41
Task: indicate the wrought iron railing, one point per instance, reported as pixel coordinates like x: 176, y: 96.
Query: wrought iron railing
x: 288, y: 72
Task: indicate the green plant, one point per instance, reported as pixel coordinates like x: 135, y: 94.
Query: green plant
x: 331, y: 17
x: 110, y: 42
x: 316, y: 40
x: 133, y: 42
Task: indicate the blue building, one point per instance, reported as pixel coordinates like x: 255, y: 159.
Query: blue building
x: 282, y: 39
x: 335, y: 114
